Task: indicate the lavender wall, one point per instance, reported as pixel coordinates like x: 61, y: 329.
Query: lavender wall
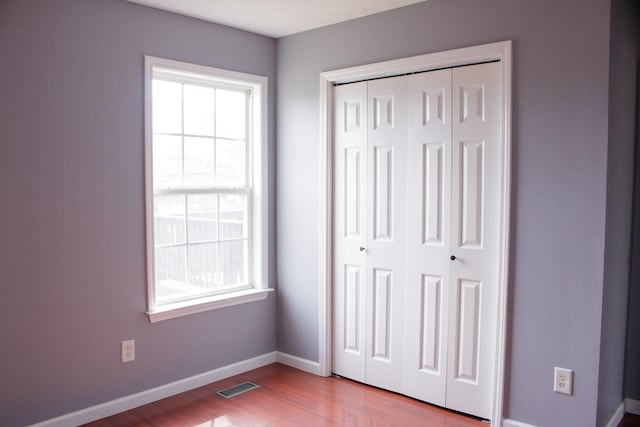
x: 72, y: 260
x: 625, y: 43
x: 560, y: 110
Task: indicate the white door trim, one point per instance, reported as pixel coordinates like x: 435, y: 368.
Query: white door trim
x: 469, y: 55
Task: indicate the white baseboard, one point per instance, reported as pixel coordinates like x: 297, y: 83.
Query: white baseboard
x: 617, y: 415
x: 134, y: 400
x: 628, y: 405
x: 299, y: 363
x: 513, y: 423
x: 632, y: 406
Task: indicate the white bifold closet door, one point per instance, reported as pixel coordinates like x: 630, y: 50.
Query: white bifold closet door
x: 369, y: 248
x: 416, y: 234
x: 453, y: 218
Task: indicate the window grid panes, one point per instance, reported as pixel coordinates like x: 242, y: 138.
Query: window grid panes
x: 201, y: 191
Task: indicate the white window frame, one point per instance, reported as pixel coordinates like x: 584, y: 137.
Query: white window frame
x: 258, y: 222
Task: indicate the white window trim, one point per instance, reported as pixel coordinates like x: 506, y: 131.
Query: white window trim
x: 259, y: 222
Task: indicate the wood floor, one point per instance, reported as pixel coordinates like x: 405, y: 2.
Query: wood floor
x: 289, y: 397
x: 630, y: 420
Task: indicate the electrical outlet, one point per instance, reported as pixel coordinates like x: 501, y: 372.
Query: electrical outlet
x: 563, y: 380
x: 128, y: 349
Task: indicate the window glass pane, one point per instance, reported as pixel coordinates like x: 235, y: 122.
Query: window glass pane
x: 170, y: 272
x: 233, y: 262
x: 199, y: 156
x: 230, y: 163
x: 166, y: 106
x: 199, y: 110
x: 169, y: 219
x: 203, y: 267
x: 167, y: 161
x: 231, y: 114
x: 233, y: 216
x: 203, y: 217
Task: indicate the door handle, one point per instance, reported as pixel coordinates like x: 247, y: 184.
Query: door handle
x: 452, y: 257
x: 362, y: 249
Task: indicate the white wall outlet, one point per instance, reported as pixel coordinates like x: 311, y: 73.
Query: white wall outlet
x: 563, y: 380
x: 128, y: 351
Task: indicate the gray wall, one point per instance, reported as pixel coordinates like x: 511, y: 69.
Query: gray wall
x: 620, y: 160
x: 561, y: 55
x: 72, y: 254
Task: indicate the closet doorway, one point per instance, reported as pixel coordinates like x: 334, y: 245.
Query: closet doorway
x: 417, y: 215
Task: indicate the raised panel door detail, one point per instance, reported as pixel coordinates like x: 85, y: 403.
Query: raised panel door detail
x: 383, y: 200
x: 471, y: 197
x: 477, y: 196
x: 468, y: 328
x: 433, y: 107
x: 382, y: 112
x: 349, y: 279
x: 432, y: 192
x: 352, y: 192
x: 472, y: 106
x: 431, y: 304
x: 381, y: 313
x: 352, y: 116
x: 351, y: 308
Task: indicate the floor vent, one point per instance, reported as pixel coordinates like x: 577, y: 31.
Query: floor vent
x: 237, y: 389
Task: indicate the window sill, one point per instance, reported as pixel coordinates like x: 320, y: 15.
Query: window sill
x: 171, y: 311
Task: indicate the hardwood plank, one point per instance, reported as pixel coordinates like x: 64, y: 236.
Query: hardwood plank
x: 288, y: 397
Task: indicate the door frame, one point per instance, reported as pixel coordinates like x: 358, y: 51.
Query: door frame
x: 500, y: 51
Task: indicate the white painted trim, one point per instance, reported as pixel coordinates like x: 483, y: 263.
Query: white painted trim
x: 632, y: 406
x: 148, y: 183
x: 429, y: 61
x: 299, y: 363
x: 505, y: 49
x: 513, y: 423
x: 494, y: 51
x: 171, y: 311
x: 230, y: 77
x: 134, y: 400
x: 617, y: 416
x: 326, y: 227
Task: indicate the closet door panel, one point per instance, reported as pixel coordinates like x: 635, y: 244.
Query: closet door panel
x: 428, y: 183
x: 475, y: 203
x: 386, y: 212
x: 350, y: 225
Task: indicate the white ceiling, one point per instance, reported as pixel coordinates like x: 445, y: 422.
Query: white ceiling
x: 276, y: 18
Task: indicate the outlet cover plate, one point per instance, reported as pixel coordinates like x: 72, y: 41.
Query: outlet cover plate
x: 128, y: 350
x: 563, y: 380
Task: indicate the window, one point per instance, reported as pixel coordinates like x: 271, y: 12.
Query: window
x: 205, y: 188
